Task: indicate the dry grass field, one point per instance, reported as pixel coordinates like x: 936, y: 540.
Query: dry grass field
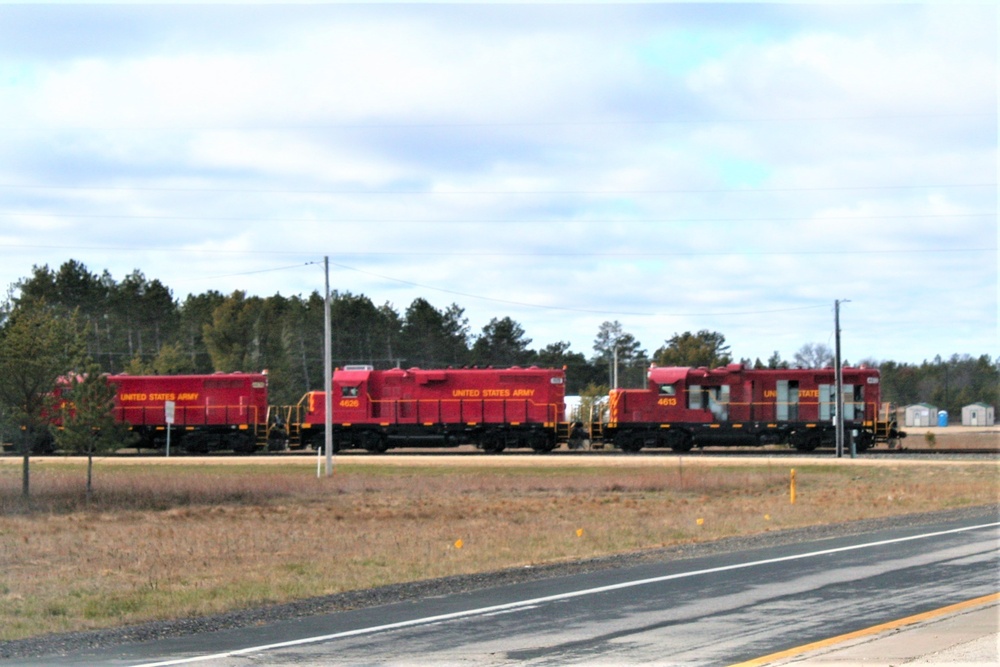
x: 952, y: 437
x: 190, y: 537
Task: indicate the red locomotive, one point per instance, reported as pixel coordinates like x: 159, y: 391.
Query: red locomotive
x: 491, y: 408
x: 496, y: 409
x: 211, y: 412
x: 734, y: 405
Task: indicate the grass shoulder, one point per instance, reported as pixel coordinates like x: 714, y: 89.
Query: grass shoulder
x: 200, y: 537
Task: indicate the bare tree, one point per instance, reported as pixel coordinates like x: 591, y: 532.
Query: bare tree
x: 814, y: 355
x: 612, y: 342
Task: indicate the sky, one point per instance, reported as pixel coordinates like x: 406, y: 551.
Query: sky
x: 735, y: 168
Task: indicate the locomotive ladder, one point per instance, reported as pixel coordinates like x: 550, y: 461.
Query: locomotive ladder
x: 284, y: 417
x: 596, y: 430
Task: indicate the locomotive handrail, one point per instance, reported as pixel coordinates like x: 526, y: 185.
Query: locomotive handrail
x: 859, y: 412
x: 183, y: 415
x: 436, y: 405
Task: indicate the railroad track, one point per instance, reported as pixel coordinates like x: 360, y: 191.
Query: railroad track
x: 695, y: 453
x: 717, y: 452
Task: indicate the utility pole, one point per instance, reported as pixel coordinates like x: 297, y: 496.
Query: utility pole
x: 327, y: 373
x: 614, y: 375
x: 839, y: 405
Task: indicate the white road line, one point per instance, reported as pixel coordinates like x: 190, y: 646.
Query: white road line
x: 522, y: 604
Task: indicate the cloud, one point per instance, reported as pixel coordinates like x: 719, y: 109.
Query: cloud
x: 675, y: 167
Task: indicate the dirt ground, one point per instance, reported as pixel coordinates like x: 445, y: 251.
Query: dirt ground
x: 918, y: 439
x: 952, y: 437
x: 181, y: 537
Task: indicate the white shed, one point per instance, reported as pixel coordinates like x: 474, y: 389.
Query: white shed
x: 977, y: 414
x: 921, y: 414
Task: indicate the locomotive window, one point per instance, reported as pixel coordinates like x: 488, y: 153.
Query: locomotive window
x: 349, y: 392
x: 694, y: 398
x: 668, y: 390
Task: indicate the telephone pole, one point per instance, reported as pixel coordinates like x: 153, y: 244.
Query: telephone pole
x: 839, y: 405
x: 327, y: 373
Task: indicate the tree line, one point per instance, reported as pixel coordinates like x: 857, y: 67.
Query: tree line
x: 69, y: 326
x: 135, y: 325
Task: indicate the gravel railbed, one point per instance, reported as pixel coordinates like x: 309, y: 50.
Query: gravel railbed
x: 384, y: 595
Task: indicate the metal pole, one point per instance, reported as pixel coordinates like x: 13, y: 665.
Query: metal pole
x: 614, y: 381
x: 854, y: 448
x: 169, y: 408
x: 839, y: 401
x: 327, y: 373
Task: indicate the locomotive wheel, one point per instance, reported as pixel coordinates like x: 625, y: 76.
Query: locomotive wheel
x: 375, y: 442
x: 318, y: 442
x: 243, y: 444
x: 541, y: 443
x: 808, y: 443
x: 630, y: 443
x: 492, y: 443
x: 146, y: 440
x: 681, y: 442
x: 196, y: 444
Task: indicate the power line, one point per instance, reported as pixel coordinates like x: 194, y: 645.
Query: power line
x: 539, y: 253
x: 573, y: 221
x: 250, y: 273
x: 832, y: 188
x: 487, y: 124
x: 574, y: 310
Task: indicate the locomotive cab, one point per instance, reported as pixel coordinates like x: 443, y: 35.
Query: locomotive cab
x: 351, y: 399
x: 734, y: 405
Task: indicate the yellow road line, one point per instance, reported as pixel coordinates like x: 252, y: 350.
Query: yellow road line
x: 891, y: 625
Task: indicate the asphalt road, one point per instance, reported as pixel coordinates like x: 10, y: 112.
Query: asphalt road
x: 716, y: 610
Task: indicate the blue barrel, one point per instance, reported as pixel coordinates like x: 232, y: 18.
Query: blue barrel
x: 942, y: 418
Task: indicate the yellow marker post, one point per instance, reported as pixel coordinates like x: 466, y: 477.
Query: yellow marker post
x: 792, y: 487
x: 459, y: 544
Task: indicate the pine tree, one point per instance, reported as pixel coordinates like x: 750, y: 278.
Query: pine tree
x: 89, y: 426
